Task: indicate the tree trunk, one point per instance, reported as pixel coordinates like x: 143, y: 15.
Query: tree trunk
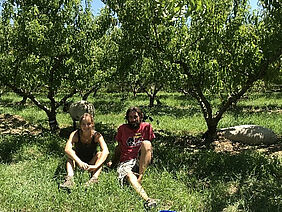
x: 152, y: 99
x: 54, y: 106
x: 210, y: 134
x: 152, y: 94
x: 134, y: 89
x: 23, y: 101
x: 159, y: 103
x: 134, y: 92
x: 94, y: 89
x: 85, y: 96
x: 53, y: 124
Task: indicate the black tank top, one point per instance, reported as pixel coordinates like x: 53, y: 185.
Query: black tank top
x: 86, y: 151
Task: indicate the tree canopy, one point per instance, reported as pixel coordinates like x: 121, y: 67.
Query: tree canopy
x: 51, y: 48
x: 205, y: 49
x: 215, y: 47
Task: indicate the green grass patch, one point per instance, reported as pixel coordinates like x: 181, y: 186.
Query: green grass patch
x: 184, y: 176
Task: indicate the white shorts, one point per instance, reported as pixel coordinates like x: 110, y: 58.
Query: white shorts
x: 125, y: 167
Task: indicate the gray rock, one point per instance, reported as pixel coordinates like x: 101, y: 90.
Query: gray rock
x: 249, y: 134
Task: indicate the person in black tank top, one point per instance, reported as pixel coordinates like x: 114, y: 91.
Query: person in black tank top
x: 81, y: 149
x: 85, y: 151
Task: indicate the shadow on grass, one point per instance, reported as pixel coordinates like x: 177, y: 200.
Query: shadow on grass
x: 108, y: 131
x: 15, y: 105
x: 65, y: 132
x: 15, y: 148
x: 118, y: 105
x: 113, y: 106
x: 256, y: 179
x: 269, y: 95
x: 250, y: 175
x: 248, y: 178
x: 170, y: 111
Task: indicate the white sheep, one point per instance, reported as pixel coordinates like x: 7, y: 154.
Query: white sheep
x: 77, y: 109
x: 249, y: 134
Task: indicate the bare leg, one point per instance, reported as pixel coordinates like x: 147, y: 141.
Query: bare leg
x: 137, y: 186
x: 69, y: 183
x: 95, y: 174
x: 70, y: 167
x: 145, y: 158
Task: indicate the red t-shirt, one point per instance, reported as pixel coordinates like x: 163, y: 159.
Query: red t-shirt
x: 130, y: 139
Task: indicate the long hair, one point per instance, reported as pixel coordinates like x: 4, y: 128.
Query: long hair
x: 87, y: 115
x: 136, y: 109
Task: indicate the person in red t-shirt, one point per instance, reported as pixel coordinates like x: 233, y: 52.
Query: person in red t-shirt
x: 134, y: 151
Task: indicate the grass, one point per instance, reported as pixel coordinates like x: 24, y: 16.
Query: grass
x: 184, y: 177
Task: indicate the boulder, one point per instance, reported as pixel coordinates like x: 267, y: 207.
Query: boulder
x: 249, y: 134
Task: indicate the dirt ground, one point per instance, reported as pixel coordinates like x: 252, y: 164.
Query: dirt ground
x: 225, y: 145
x: 13, y: 124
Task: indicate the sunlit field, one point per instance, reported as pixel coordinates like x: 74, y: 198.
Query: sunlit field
x: 185, y: 175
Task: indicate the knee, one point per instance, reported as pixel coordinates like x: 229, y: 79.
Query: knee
x: 130, y: 176
x: 146, y: 146
x: 99, y: 154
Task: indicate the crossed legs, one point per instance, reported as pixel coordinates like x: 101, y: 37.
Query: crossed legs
x: 71, y: 165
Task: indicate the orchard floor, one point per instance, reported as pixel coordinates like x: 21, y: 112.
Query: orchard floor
x: 14, y: 124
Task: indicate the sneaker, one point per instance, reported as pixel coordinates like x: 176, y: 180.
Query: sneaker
x: 68, y: 184
x: 150, y: 203
x: 93, y: 180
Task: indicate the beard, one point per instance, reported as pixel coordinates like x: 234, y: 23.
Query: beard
x: 134, y: 125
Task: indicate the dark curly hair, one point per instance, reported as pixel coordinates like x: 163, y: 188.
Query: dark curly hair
x: 136, y: 109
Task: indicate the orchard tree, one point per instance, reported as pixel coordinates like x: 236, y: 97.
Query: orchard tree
x: 143, y: 74
x: 48, y: 48
x: 216, y: 47
x: 152, y: 76
x: 230, y: 56
x: 126, y: 76
x: 141, y: 66
x: 105, y: 49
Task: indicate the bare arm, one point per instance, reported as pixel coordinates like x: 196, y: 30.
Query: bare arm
x: 115, y: 158
x: 105, y: 151
x: 71, y: 153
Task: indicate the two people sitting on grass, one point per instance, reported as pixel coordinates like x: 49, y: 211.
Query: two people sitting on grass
x: 81, y: 149
x: 133, y: 152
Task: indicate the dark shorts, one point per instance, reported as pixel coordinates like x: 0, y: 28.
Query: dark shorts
x: 85, y: 157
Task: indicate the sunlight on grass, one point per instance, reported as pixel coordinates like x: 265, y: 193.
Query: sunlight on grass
x: 180, y: 126
x: 183, y: 177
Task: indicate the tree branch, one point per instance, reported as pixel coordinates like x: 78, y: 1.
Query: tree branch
x: 28, y: 95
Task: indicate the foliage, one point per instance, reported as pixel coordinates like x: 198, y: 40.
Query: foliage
x: 214, y: 47
x: 49, y: 47
x: 141, y: 66
x: 271, y: 44
x: 103, y: 65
